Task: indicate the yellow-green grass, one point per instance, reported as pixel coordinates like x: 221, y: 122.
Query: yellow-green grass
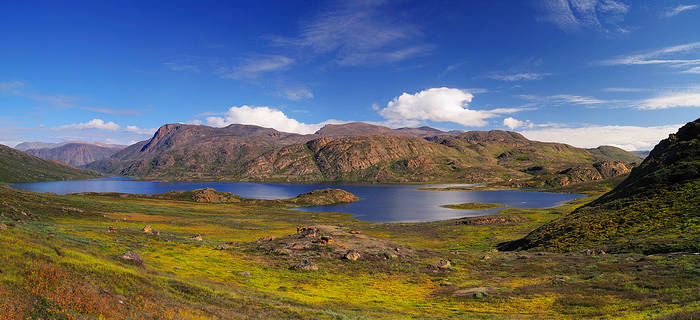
x: 66, y: 238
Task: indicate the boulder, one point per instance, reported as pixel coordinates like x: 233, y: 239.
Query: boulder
x: 222, y: 247
x: 3, y: 226
x: 442, y: 264
x: 131, y: 258
x: 352, y: 255
x: 197, y: 237
x: 305, y: 265
x: 147, y: 229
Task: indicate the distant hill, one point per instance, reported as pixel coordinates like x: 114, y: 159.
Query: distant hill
x: 18, y: 166
x: 641, y: 154
x: 655, y: 209
x: 24, y: 146
x: 76, y: 154
x: 360, y: 152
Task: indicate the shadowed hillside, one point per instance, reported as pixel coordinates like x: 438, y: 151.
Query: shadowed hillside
x: 17, y: 166
x: 76, y: 154
x: 656, y: 209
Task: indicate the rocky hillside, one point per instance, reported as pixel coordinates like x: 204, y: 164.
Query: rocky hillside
x: 655, y: 209
x: 18, y: 166
x: 76, y: 154
x: 344, y: 153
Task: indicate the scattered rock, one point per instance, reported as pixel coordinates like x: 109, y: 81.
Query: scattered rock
x: 111, y: 229
x: 266, y: 239
x: 352, y: 255
x: 3, y: 226
x: 132, y: 258
x: 305, y: 265
x: 147, y: 229
x: 27, y: 213
x: 390, y: 255
x: 590, y: 252
x: 490, y: 220
x: 493, y: 250
x: 442, y: 264
x: 523, y: 256
x: 307, y: 232
x: 486, y: 258
x: 354, y: 231
x: 326, y: 240
x: 197, y: 237
x: 222, y: 247
x: 244, y: 274
x: 446, y: 284
x: 281, y: 252
x: 476, y: 292
x: 299, y: 246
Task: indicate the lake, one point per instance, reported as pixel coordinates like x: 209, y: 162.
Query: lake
x: 380, y: 203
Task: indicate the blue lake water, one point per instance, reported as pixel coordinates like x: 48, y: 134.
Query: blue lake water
x: 380, y: 203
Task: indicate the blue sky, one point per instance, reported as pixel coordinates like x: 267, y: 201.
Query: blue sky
x: 583, y: 72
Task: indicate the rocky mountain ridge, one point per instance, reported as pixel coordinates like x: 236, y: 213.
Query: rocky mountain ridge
x: 358, y: 152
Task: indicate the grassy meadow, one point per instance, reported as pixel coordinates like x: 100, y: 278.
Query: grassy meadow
x: 60, y: 260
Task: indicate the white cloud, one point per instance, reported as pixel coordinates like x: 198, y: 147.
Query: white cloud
x: 675, y: 11
x: 358, y: 32
x: 622, y: 89
x: 265, y: 117
x: 674, y: 100
x: 577, y: 15
x: 98, y: 124
x: 137, y: 130
x: 625, y: 137
x: 298, y: 94
x: 513, y: 123
x: 439, y: 104
x: 674, y: 56
x: 564, y: 99
x: 520, y: 76
x: 254, y: 67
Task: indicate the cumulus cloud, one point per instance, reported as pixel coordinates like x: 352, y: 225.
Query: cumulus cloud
x: 577, y: 15
x: 519, y: 76
x: 98, y: 124
x: 674, y: 100
x: 142, y: 131
x: 625, y: 137
x: 513, y: 123
x: 677, y: 10
x: 265, y: 117
x: 439, y: 104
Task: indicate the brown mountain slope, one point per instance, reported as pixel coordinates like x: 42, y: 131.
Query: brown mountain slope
x: 75, y: 154
x: 655, y: 209
x: 338, y: 153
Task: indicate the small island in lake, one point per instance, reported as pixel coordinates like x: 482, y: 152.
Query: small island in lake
x: 473, y: 206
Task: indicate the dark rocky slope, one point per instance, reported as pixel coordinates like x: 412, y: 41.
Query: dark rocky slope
x: 18, y: 166
x: 655, y: 209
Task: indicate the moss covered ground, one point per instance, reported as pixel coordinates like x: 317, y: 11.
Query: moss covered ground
x: 60, y: 261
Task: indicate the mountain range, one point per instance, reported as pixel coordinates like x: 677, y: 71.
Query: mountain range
x: 361, y: 152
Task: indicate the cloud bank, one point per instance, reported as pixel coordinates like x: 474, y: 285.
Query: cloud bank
x: 625, y: 137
